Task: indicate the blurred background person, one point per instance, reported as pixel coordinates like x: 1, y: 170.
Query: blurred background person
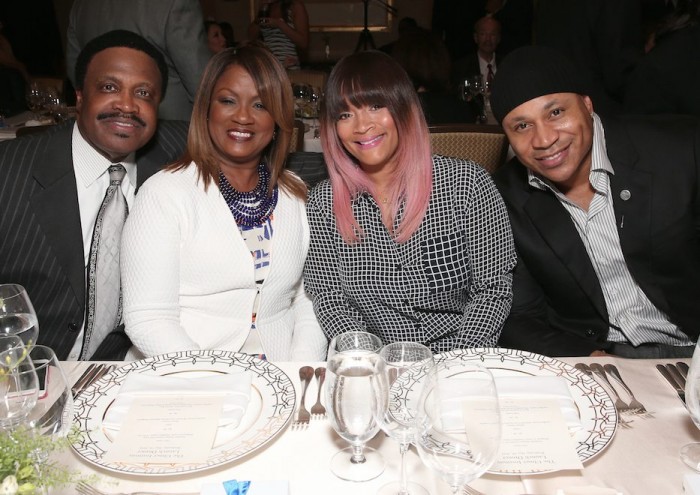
x: 603, y: 38
x: 227, y: 30
x: 216, y: 41
x: 425, y: 59
x: 407, y: 27
x: 283, y: 25
x: 667, y: 78
x: 13, y: 79
x: 214, y: 247
x: 408, y: 246
x: 181, y: 40
x: 487, y: 36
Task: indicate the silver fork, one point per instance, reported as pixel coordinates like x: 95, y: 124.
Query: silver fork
x: 317, y: 410
x: 86, y: 489
x: 620, y: 405
x: 599, y: 371
x: 635, y: 406
x: 306, y: 373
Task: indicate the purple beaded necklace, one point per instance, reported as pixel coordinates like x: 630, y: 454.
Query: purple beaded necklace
x: 250, y: 208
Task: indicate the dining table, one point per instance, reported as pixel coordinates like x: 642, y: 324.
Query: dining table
x: 642, y: 458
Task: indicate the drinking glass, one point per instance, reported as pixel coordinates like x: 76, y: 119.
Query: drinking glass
x: 355, y: 389
x: 354, y: 341
x: 402, y: 360
x: 690, y: 453
x: 35, y: 99
x: 17, y: 315
x: 53, y: 412
x: 18, y: 386
x: 458, y: 422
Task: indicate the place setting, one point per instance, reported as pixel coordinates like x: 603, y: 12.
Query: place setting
x: 134, y: 419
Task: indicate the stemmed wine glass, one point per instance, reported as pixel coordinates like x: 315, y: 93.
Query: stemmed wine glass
x: 458, y: 422
x: 404, y: 360
x: 17, y: 315
x: 18, y: 384
x: 355, y: 391
x: 35, y: 98
x: 354, y: 341
x: 54, y: 407
x: 690, y: 453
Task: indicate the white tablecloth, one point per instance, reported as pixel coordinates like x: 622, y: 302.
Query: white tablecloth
x: 640, y: 460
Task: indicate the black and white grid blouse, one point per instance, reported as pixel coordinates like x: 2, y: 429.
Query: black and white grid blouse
x: 448, y: 286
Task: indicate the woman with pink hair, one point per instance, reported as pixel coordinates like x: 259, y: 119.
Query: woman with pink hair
x: 408, y: 246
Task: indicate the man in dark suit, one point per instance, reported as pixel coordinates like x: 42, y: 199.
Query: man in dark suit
x: 175, y: 27
x: 53, y: 184
x: 487, y: 36
x: 605, y: 217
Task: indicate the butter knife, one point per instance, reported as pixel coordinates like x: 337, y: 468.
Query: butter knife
x: 669, y: 378
x: 676, y: 374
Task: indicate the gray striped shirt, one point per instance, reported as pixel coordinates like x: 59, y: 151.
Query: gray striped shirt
x: 633, y: 317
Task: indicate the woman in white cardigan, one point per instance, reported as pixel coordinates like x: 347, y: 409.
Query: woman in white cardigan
x: 213, y: 251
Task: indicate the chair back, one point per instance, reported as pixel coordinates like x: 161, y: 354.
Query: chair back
x: 311, y: 77
x: 296, y: 143
x: 484, y: 144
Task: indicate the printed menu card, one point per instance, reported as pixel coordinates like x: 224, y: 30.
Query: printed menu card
x: 167, y: 429
x: 534, y: 435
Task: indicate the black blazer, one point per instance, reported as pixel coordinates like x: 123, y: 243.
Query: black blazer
x: 558, y: 307
x: 41, y: 245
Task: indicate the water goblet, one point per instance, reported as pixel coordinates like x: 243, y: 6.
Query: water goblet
x: 355, y: 391
x: 354, y: 341
x: 403, y: 361
x: 35, y: 98
x: 690, y: 453
x: 18, y: 386
x: 53, y: 412
x: 458, y: 422
x: 17, y: 315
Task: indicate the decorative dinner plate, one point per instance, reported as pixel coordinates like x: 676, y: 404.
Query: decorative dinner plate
x: 596, y: 409
x: 272, y: 401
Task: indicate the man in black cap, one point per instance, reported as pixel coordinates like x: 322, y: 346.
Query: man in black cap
x: 605, y: 216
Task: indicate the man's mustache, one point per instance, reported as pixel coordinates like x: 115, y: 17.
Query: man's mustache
x: 123, y: 116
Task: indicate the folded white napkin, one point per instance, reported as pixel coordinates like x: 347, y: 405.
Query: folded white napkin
x: 234, y: 487
x: 541, y: 387
x: 234, y: 387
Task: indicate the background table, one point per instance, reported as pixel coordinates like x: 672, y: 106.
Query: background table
x: 640, y: 460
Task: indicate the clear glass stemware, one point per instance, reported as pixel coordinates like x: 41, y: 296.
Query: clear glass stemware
x: 53, y: 412
x: 17, y: 315
x: 355, y: 391
x: 458, y: 422
x: 403, y: 360
x: 18, y: 385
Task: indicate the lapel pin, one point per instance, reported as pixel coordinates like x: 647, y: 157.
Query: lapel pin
x: 625, y: 195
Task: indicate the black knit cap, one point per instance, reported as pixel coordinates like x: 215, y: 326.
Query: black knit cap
x: 530, y: 72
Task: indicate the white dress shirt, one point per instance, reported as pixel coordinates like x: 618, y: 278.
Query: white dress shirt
x: 92, y: 180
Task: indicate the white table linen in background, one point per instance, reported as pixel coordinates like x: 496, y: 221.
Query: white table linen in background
x: 640, y: 460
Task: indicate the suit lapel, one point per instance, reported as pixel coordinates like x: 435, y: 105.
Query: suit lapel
x: 555, y: 226
x: 631, y: 189
x: 56, y: 208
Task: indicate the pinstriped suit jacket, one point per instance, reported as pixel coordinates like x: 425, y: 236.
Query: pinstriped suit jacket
x: 41, y: 243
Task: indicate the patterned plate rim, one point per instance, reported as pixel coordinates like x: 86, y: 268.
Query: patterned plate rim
x: 278, y: 404
x: 588, y: 395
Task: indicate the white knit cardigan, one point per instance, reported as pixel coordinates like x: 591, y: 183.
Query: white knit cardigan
x: 188, y: 277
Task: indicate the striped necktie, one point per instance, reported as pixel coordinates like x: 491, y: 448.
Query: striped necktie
x: 104, y: 304
x: 489, y: 76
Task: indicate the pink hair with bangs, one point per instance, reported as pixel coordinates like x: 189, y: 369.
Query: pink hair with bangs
x: 365, y: 79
